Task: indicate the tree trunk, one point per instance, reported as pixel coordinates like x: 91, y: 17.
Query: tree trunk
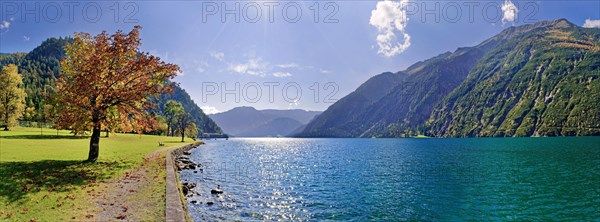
x: 6, y: 119
x: 6, y: 114
x: 182, y: 137
x: 94, y: 143
x: 106, y: 133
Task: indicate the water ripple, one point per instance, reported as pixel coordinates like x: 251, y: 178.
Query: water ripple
x: 398, y: 179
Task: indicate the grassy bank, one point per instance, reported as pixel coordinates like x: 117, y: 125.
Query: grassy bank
x: 43, y: 178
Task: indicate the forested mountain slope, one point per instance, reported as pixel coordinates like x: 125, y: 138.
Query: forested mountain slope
x: 544, y: 83
x: 531, y: 80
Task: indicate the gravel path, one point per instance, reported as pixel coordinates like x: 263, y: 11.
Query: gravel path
x: 116, y: 203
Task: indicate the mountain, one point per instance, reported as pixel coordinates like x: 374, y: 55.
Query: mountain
x: 390, y: 102
x: 302, y: 116
x: 277, y: 127
x: 341, y: 119
x: 204, y: 123
x: 542, y: 83
x: 532, y: 80
x: 41, y: 67
x: 249, y: 122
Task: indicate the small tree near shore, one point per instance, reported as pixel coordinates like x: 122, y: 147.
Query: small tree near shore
x: 105, y: 77
x: 182, y: 121
x: 12, y: 96
x: 192, y: 131
x: 172, y: 108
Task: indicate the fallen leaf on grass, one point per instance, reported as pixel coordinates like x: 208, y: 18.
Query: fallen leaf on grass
x: 121, y: 216
x: 70, y: 196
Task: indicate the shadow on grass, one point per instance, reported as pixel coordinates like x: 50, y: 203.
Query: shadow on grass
x: 35, y: 137
x: 17, y: 179
x: 174, y: 141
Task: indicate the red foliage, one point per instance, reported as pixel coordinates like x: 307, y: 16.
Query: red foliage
x: 105, y: 82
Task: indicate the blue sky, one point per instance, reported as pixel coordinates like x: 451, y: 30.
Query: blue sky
x: 326, y: 50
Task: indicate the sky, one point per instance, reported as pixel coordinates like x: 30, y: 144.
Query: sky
x: 283, y: 54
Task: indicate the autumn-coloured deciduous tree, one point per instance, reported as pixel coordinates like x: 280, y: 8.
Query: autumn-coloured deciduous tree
x: 106, y: 80
x: 12, y: 96
x: 161, y: 127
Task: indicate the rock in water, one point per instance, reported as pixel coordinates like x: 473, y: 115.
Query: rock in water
x: 185, y: 190
x: 217, y: 190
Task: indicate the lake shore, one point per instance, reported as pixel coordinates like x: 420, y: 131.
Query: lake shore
x: 176, y: 207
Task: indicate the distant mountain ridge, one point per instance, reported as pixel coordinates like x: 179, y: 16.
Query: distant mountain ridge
x: 249, y: 122
x: 532, y: 80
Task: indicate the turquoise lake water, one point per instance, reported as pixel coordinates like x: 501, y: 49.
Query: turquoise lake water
x: 398, y: 179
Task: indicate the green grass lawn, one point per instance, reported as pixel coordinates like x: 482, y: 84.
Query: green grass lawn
x: 44, y: 178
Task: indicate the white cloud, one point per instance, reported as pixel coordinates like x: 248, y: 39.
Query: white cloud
x: 218, y: 55
x: 26, y: 38
x: 282, y: 74
x: 589, y: 23
x: 200, y: 69
x: 209, y: 110
x: 390, y: 19
x: 254, y: 66
x: 324, y: 71
x: 288, y: 65
x: 294, y: 104
x: 4, y: 25
x: 509, y: 11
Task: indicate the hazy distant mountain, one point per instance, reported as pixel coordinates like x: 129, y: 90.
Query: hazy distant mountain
x: 342, y: 119
x: 539, y: 79
x: 249, y: 122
